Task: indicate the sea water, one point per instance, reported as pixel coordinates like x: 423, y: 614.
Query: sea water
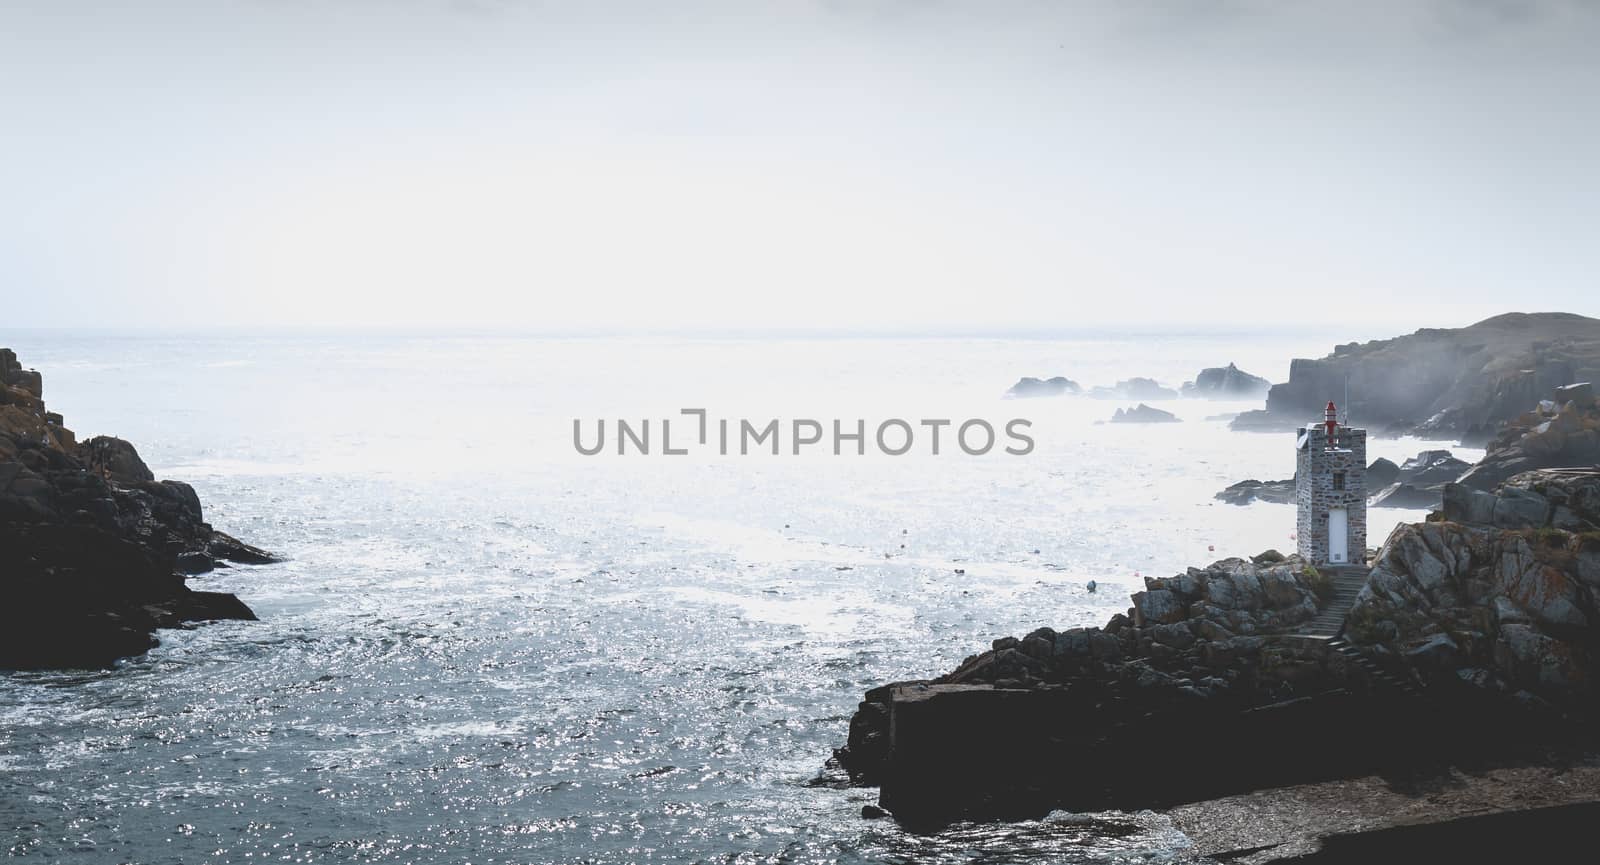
x: 486, y: 647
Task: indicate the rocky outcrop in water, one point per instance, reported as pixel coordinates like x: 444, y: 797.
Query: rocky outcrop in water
x: 1226, y: 382
x: 1134, y: 388
x: 1561, y: 432
x: 1144, y: 414
x: 1417, y: 484
x: 1245, y: 492
x: 93, y: 549
x: 1382, y: 473
x: 1439, y: 383
x: 1471, y: 640
x: 1029, y: 388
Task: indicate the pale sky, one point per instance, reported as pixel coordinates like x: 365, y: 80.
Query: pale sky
x: 941, y: 166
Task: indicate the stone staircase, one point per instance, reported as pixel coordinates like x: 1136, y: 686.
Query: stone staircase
x: 1347, y: 583
x: 1329, y: 625
x: 1382, y: 680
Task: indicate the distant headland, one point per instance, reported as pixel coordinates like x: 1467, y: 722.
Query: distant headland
x: 1441, y: 383
x: 1464, y: 384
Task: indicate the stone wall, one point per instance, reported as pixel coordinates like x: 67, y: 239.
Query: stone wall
x: 1315, y: 491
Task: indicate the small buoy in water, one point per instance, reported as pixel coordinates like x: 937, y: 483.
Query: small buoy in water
x: 961, y: 570
x: 1091, y: 585
x: 785, y: 525
x: 904, y: 532
x: 1211, y: 548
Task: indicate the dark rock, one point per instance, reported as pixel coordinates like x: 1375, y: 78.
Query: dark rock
x: 82, y: 597
x: 1156, y: 607
x: 1382, y: 473
x: 1439, y: 652
x: 214, y: 606
x: 1418, y: 484
x: 1178, y: 635
x: 186, y: 496
x: 1135, y: 388
x: 1560, y: 433
x: 1263, y: 421
x: 1144, y: 414
x: 1027, y: 387
x: 92, y: 548
x: 225, y: 546
x: 195, y: 562
x: 1440, y: 576
x: 1433, y: 468
x: 26, y: 380
x: 1245, y: 492
x: 114, y: 459
x: 1227, y: 382
x: 1398, y: 495
x: 1519, y: 508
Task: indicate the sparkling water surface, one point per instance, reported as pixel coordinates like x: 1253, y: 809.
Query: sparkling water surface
x: 487, y: 648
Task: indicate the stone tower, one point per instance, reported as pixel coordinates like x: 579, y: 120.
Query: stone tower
x: 1331, y: 492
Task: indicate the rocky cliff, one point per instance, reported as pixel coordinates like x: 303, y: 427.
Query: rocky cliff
x: 93, y: 549
x: 1500, y: 591
x: 1440, y: 383
x: 1560, y: 432
x: 1472, y: 639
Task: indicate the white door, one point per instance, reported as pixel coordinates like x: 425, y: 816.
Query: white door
x: 1338, y: 535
